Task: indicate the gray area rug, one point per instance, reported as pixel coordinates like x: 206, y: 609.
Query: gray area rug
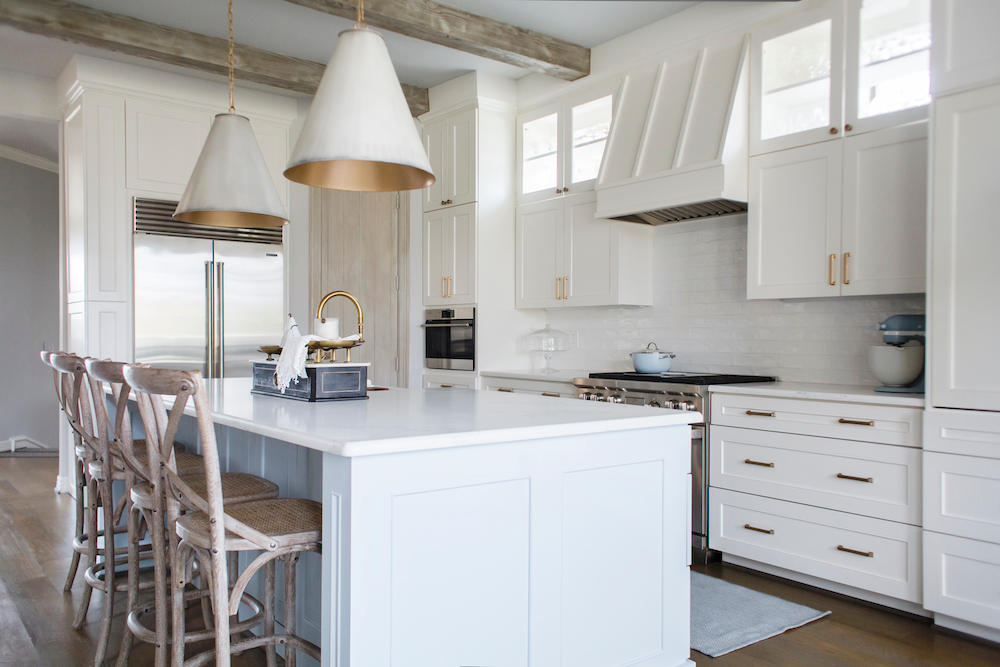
x: 726, y: 617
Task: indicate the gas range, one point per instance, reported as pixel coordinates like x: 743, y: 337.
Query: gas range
x: 677, y: 390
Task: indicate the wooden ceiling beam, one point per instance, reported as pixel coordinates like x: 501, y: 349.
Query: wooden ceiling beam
x: 457, y: 29
x: 123, y: 34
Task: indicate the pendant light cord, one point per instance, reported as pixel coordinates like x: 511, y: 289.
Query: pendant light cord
x: 361, y: 12
x: 232, y: 104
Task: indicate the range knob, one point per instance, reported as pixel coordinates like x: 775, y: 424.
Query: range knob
x: 653, y: 404
x: 673, y: 405
x: 687, y: 405
x: 584, y: 396
x: 617, y: 399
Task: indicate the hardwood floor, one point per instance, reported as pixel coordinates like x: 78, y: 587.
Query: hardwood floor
x: 35, y: 614
x: 36, y: 528
x: 856, y: 633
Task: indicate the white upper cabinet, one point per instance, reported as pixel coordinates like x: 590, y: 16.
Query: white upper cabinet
x: 965, y: 241
x: 847, y: 68
x: 449, y: 256
x: 162, y: 144
x: 451, y: 148
x: 560, y: 146
x: 793, y: 223
x: 568, y: 257
x: 966, y: 50
x: 840, y: 217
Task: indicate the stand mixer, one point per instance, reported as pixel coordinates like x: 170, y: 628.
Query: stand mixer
x: 895, y: 363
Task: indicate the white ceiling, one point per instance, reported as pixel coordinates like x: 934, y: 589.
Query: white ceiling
x: 37, y: 137
x: 304, y: 33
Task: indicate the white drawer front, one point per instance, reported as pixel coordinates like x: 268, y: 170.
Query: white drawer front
x: 891, y: 425
x: 963, y: 432
x: 875, y: 480
x: 962, y: 578
x: 962, y: 496
x: 870, y: 554
x: 542, y: 387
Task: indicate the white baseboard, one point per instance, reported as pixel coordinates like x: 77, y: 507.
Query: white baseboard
x: 12, y: 442
x: 843, y: 589
x: 967, y: 627
x: 64, y: 485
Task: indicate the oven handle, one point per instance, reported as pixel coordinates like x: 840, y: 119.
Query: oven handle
x: 437, y: 324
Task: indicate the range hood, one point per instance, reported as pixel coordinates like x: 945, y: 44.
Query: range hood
x: 677, y: 149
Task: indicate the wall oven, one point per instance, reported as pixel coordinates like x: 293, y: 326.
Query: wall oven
x: 450, y: 338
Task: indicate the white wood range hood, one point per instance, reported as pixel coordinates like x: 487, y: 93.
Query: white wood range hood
x: 677, y: 149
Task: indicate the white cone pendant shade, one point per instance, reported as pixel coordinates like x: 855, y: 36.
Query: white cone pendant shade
x: 231, y: 185
x: 359, y: 134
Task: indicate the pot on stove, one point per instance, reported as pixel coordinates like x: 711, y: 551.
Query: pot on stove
x: 652, y: 360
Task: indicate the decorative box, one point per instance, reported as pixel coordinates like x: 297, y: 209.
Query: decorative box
x: 324, y: 381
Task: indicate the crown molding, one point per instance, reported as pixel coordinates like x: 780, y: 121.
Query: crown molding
x: 30, y: 159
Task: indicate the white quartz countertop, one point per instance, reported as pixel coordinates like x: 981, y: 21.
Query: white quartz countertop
x: 401, y: 420
x: 530, y: 374
x: 822, y: 392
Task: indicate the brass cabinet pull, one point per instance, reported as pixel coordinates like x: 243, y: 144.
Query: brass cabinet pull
x: 443, y: 202
x: 856, y: 422
x: 834, y: 130
x: 766, y: 464
x: 833, y: 269
x: 506, y: 390
x: 447, y: 386
x: 550, y: 394
x: 558, y: 288
x: 444, y: 286
x: 866, y: 554
x: 451, y: 286
x: 760, y: 413
x: 769, y: 531
x: 848, y: 127
x: 847, y: 258
x: 870, y: 480
x: 565, y: 287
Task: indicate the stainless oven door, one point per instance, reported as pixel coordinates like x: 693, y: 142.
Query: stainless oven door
x: 699, y: 487
x: 450, y: 343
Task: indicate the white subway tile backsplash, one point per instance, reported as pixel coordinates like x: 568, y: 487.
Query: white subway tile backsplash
x: 701, y: 313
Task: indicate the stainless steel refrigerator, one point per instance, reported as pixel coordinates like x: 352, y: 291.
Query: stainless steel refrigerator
x: 205, y: 297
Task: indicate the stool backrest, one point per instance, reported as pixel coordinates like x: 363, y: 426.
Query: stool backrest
x: 150, y: 386
x: 116, y: 437
x: 75, y: 404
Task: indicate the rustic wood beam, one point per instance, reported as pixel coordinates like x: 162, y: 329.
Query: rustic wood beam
x: 123, y: 34
x: 458, y: 29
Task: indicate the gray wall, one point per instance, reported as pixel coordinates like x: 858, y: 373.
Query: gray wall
x: 29, y: 300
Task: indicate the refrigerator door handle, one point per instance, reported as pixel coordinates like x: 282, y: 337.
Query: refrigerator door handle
x: 209, y: 319
x: 220, y: 314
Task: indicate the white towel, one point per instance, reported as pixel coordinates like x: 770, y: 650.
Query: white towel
x: 294, y: 353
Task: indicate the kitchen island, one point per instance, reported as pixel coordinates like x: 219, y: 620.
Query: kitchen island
x: 466, y: 528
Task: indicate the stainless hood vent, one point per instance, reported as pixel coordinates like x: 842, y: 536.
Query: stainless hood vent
x: 677, y: 149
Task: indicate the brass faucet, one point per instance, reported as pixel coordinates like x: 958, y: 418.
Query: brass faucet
x: 361, y: 321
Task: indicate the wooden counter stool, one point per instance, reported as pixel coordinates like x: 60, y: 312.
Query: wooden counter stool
x: 280, y: 528
x: 151, y: 507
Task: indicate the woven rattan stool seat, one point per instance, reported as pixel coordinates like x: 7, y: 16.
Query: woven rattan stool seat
x: 237, y: 487
x: 289, y: 521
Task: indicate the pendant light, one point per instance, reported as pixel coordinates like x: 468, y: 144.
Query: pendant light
x: 231, y: 185
x: 359, y: 134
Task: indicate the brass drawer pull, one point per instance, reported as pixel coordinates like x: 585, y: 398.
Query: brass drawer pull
x: 766, y: 464
x: 870, y: 480
x: 760, y: 413
x: 866, y: 554
x: 769, y: 531
x: 857, y: 422
x: 447, y: 386
x: 833, y: 269
x: 507, y: 390
x: 550, y: 394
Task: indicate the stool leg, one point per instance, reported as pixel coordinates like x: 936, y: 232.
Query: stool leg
x: 178, y: 571
x: 290, y: 563
x: 81, y: 611
x: 269, y: 570
x: 219, y: 582
x: 155, y: 522
x: 133, y: 580
x: 74, y: 563
x: 107, y: 502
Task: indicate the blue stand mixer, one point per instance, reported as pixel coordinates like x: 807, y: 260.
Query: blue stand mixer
x: 897, y: 331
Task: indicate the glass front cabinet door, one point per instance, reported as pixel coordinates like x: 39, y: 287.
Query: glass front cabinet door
x: 846, y: 68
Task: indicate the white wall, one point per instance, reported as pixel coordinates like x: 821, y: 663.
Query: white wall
x: 701, y: 313
x: 29, y: 300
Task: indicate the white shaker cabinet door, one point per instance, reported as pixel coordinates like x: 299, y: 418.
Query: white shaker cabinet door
x: 162, y: 144
x: 460, y: 265
x: 437, y: 247
x: 459, y: 186
x: 540, y: 233
x: 965, y: 260
x: 434, y: 143
x: 793, y: 223
x: 885, y: 208
x: 965, y: 50
x: 590, y: 269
